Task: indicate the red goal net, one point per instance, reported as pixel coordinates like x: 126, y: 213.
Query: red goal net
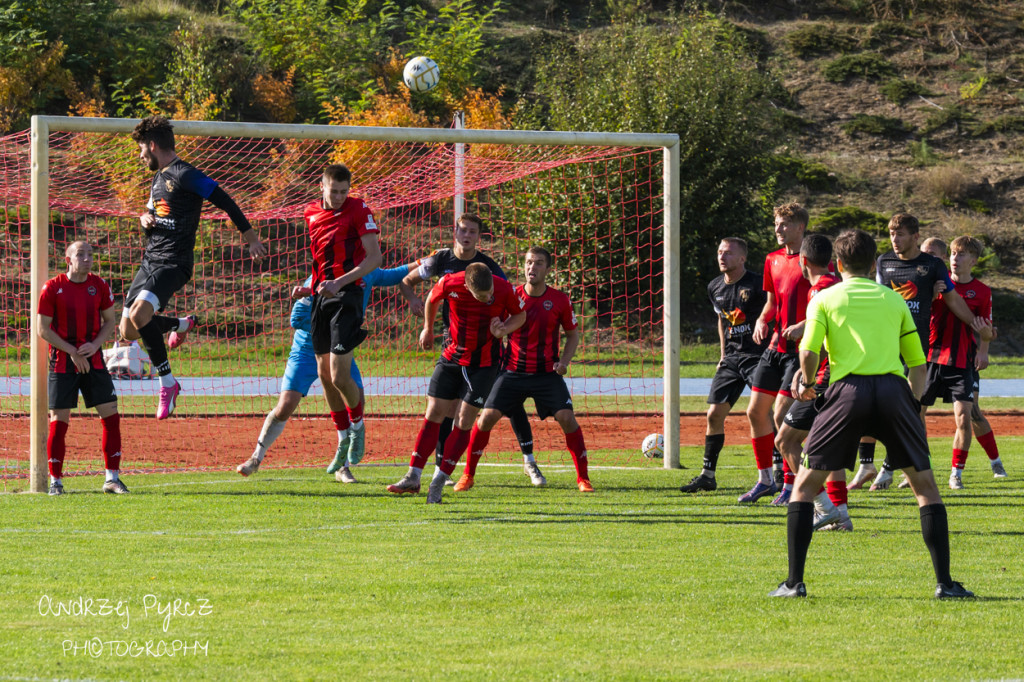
x: 597, y: 209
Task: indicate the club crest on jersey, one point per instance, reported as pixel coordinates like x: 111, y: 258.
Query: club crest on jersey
x: 744, y: 295
x: 922, y: 270
x: 548, y: 305
x: 91, y: 290
x: 970, y: 294
x: 168, y: 185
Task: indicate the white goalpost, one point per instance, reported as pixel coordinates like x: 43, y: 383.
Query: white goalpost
x: 40, y: 218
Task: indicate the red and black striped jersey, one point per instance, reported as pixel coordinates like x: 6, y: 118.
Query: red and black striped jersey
x: 824, y: 282
x: 75, y: 308
x: 469, y: 338
x: 335, y: 237
x: 950, y: 341
x: 783, y: 279
x: 533, y: 348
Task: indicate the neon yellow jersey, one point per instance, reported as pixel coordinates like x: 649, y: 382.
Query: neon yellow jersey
x: 865, y: 327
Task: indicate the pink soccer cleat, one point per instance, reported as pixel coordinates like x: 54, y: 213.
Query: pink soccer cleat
x: 179, y: 337
x: 168, y: 399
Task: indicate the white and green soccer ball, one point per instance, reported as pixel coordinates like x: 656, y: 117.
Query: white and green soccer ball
x: 421, y: 74
x: 653, y: 446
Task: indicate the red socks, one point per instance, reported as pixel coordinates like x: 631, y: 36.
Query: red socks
x: 959, y: 458
x: 788, y: 477
x: 426, y: 442
x: 341, y: 420
x: 478, y: 441
x: 578, y: 450
x: 112, y: 442
x: 453, y: 449
x: 355, y: 414
x: 836, y: 492
x: 763, y: 446
x: 988, y: 442
x: 55, y: 447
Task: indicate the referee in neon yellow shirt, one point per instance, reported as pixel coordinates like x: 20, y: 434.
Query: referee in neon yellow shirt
x: 865, y: 327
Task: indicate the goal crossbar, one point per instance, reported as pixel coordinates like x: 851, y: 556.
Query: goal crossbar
x: 42, y: 126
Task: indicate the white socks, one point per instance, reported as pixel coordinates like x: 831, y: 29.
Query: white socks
x: 764, y: 476
x: 111, y: 475
x: 528, y: 458
x: 167, y: 380
x: 272, y: 428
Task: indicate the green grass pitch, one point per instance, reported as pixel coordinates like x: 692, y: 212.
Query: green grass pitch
x: 306, y: 578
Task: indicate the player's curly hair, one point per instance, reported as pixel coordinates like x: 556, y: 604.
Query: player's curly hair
x: 793, y: 211
x: 156, y: 129
x: 479, y: 279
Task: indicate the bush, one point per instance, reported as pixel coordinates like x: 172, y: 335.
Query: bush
x: 1007, y: 123
x: 946, y: 184
x: 835, y: 220
x: 869, y: 65
x: 883, y: 126
x: 811, y: 174
x: 898, y: 90
x: 816, y: 39
x: 921, y: 154
x: 954, y: 115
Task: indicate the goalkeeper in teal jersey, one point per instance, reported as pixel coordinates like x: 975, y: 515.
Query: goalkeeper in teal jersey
x: 301, y: 372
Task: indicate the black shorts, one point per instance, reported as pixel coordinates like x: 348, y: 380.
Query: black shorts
x: 801, y: 415
x: 775, y: 372
x: 62, y: 389
x: 452, y: 381
x: 952, y: 384
x: 881, y: 406
x: 731, y: 377
x: 548, y: 390
x: 159, y: 279
x: 335, y: 324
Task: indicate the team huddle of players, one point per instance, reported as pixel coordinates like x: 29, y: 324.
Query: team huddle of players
x: 953, y: 319
x: 476, y: 381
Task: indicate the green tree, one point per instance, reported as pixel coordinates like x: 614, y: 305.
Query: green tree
x: 693, y: 76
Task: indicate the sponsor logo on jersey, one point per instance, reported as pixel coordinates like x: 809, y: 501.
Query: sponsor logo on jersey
x: 162, y: 209
x: 91, y: 290
x: 735, y: 317
x: 548, y: 305
x: 908, y: 290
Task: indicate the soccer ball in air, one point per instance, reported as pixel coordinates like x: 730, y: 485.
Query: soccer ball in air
x: 654, y: 446
x: 421, y: 74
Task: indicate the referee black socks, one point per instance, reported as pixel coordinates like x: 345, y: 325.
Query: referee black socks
x: 712, y: 449
x: 935, y: 529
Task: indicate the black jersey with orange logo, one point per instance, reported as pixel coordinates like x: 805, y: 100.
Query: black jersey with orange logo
x: 914, y: 280
x: 738, y: 305
x: 176, y: 201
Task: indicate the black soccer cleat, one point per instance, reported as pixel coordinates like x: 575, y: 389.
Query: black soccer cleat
x: 953, y: 590
x: 699, y: 483
x: 784, y: 590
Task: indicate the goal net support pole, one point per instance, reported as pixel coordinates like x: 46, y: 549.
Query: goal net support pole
x: 42, y: 126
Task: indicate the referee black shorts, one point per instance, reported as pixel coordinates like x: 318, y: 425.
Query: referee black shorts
x: 881, y: 406
x: 452, y: 381
x: 156, y: 283
x: 96, y: 387
x: 733, y: 374
x: 952, y: 384
x: 336, y: 322
x: 548, y: 390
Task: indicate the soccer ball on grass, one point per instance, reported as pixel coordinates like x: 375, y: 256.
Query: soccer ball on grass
x: 653, y: 446
x: 421, y: 74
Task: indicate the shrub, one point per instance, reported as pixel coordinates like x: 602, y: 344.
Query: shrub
x: 883, y: 126
x: 898, y: 90
x: 813, y: 175
x: 817, y: 39
x: 834, y: 220
x: 945, y: 184
x: 869, y: 65
x: 921, y: 154
x: 954, y: 115
x: 1006, y: 123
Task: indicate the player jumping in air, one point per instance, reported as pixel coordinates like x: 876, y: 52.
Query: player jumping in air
x: 301, y: 372
x: 738, y: 300
x: 76, y: 317
x: 534, y: 369
x: 344, y: 239
x: 865, y: 327
x: 175, y: 201
x: 483, y: 309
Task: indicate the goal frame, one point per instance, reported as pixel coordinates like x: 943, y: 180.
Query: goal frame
x: 42, y: 126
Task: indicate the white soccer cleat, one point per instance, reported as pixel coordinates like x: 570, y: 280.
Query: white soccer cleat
x: 344, y: 476
x: 883, y: 480
x: 842, y: 524
x: 955, y: 482
x: 865, y: 474
x: 998, y: 471
x: 533, y: 471
x: 249, y: 466
x: 436, y: 490
x: 905, y: 483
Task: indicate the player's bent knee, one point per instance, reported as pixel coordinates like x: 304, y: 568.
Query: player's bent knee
x: 106, y: 409
x: 488, y: 419
x: 567, y: 420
